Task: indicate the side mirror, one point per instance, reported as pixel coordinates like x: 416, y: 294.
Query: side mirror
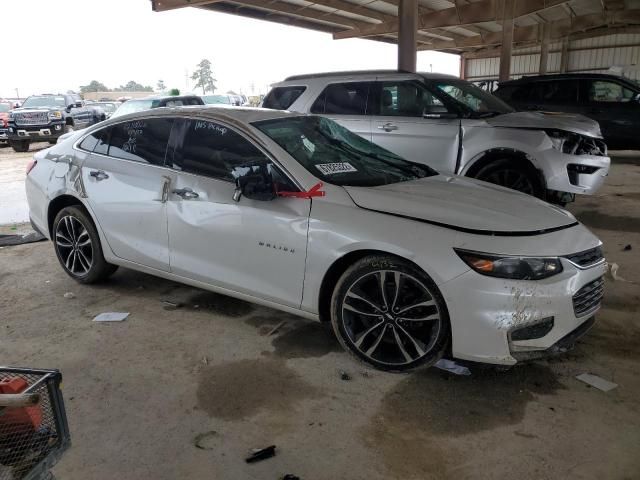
x: 254, y: 181
x: 636, y: 97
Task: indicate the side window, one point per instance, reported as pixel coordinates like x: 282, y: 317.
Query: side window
x: 141, y: 140
x: 97, y: 141
x: 410, y: 99
x: 281, y: 98
x: 605, y: 91
x: 213, y: 150
x: 343, y: 99
x: 559, y: 91
x: 520, y: 94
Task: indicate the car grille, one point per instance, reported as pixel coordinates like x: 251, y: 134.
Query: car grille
x: 588, y: 297
x: 31, y: 118
x: 586, y: 258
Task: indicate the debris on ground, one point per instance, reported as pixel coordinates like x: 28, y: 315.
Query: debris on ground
x: 199, y: 440
x: 613, y: 271
x: 69, y: 295
x: 344, y: 376
x: 290, y: 476
x: 111, y: 317
x: 597, y: 382
x: 258, y: 454
x: 11, y: 240
x: 171, y: 305
x: 276, y: 328
x: 205, y: 360
x: 452, y: 367
x: 627, y: 248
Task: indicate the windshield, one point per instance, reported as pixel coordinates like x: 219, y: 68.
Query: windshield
x: 48, y: 101
x: 335, y: 155
x: 480, y: 102
x: 4, y: 107
x: 213, y: 99
x: 107, y: 107
x: 132, y: 106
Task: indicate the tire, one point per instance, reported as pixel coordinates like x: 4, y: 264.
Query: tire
x: 367, y: 321
x: 77, y: 245
x: 20, y: 145
x: 508, y: 173
x: 68, y: 128
x: 53, y: 142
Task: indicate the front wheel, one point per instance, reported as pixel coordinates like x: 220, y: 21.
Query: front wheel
x: 390, y: 314
x: 508, y: 173
x: 20, y: 145
x: 78, y: 248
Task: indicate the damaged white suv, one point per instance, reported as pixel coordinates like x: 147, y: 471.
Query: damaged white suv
x: 455, y: 127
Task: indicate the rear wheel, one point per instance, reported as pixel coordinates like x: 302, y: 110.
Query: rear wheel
x: 19, y: 145
x: 390, y: 314
x: 78, y: 248
x: 508, y: 173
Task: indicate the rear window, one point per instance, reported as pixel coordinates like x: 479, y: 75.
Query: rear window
x: 281, y: 98
x: 343, y: 99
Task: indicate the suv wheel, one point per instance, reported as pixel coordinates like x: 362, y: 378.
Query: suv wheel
x: 20, y: 145
x: 509, y: 174
x: 390, y: 314
x: 78, y: 248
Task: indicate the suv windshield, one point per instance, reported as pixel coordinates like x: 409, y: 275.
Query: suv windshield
x: 216, y: 99
x: 478, y: 101
x: 335, y: 155
x: 107, y: 107
x: 131, y: 106
x: 46, y: 101
x: 4, y: 108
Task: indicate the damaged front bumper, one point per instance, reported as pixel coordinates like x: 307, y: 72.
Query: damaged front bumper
x: 581, y: 174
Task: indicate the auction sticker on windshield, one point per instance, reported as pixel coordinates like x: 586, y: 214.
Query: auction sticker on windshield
x: 333, y: 168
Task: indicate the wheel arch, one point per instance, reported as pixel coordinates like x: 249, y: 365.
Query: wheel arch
x: 481, y: 160
x: 338, y: 267
x: 60, y: 202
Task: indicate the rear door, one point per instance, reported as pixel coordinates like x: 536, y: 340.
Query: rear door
x: 615, y: 108
x: 253, y: 247
x: 126, y: 182
x: 346, y: 103
x: 400, y: 124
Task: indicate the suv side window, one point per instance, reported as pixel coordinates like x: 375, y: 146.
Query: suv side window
x: 213, y: 150
x: 606, y: 91
x: 281, y: 98
x: 408, y: 99
x: 142, y: 140
x: 349, y: 98
x: 556, y: 92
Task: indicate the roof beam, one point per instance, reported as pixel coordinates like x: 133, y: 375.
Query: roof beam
x: 164, y: 5
x: 483, y: 11
x: 556, y: 30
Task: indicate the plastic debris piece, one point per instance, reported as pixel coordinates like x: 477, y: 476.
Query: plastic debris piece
x: 597, y: 382
x: 613, y: 270
x: 69, y: 295
x: 171, y: 305
x: 452, y: 367
x: 205, y: 360
x: 290, y: 476
x: 111, y: 317
x: 627, y: 248
x: 276, y: 328
x: 344, y: 376
x: 258, y: 454
x: 200, y: 440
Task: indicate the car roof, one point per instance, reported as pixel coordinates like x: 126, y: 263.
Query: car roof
x: 357, y: 73
x: 563, y: 76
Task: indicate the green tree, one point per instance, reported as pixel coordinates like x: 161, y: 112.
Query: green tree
x: 133, y: 86
x: 94, y: 86
x: 203, y: 77
x: 174, y: 92
x: 161, y: 86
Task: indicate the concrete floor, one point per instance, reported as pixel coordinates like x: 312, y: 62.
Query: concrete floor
x: 138, y: 393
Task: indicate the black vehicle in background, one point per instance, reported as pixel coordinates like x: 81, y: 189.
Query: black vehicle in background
x: 43, y: 118
x: 612, y: 101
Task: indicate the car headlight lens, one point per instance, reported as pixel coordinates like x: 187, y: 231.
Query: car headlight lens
x: 55, y: 115
x: 512, y: 267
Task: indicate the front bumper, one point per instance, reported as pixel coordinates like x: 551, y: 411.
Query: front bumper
x: 3, y: 134
x: 493, y: 308
x: 50, y: 131
x: 560, y: 171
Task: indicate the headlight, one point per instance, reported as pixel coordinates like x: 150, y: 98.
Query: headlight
x: 55, y: 115
x: 512, y: 267
x: 564, y: 142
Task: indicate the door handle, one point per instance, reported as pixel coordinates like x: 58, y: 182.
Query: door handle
x: 98, y: 175
x: 388, y: 127
x: 185, y: 193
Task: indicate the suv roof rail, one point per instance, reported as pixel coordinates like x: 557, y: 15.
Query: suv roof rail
x: 342, y: 73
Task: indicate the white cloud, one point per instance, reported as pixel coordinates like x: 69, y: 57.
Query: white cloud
x: 59, y: 45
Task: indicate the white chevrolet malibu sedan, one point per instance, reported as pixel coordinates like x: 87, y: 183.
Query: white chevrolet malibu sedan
x: 297, y: 213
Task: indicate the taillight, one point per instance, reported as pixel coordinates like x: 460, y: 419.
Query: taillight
x: 32, y: 163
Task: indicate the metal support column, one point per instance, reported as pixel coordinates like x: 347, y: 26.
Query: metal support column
x: 463, y: 67
x: 564, y: 55
x: 507, y: 40
x: 544, y: 50
x: 407, y: 33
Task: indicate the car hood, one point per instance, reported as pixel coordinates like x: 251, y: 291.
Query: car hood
x: 464, y: 204
x: 36, y: 109
x: 542, y: 120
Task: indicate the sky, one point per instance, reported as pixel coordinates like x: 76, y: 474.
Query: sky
x: 114, y: 41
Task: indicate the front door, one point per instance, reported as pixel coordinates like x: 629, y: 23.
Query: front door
x: 125, y: 185
x: 252, y: 247
x: 401, y: 124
